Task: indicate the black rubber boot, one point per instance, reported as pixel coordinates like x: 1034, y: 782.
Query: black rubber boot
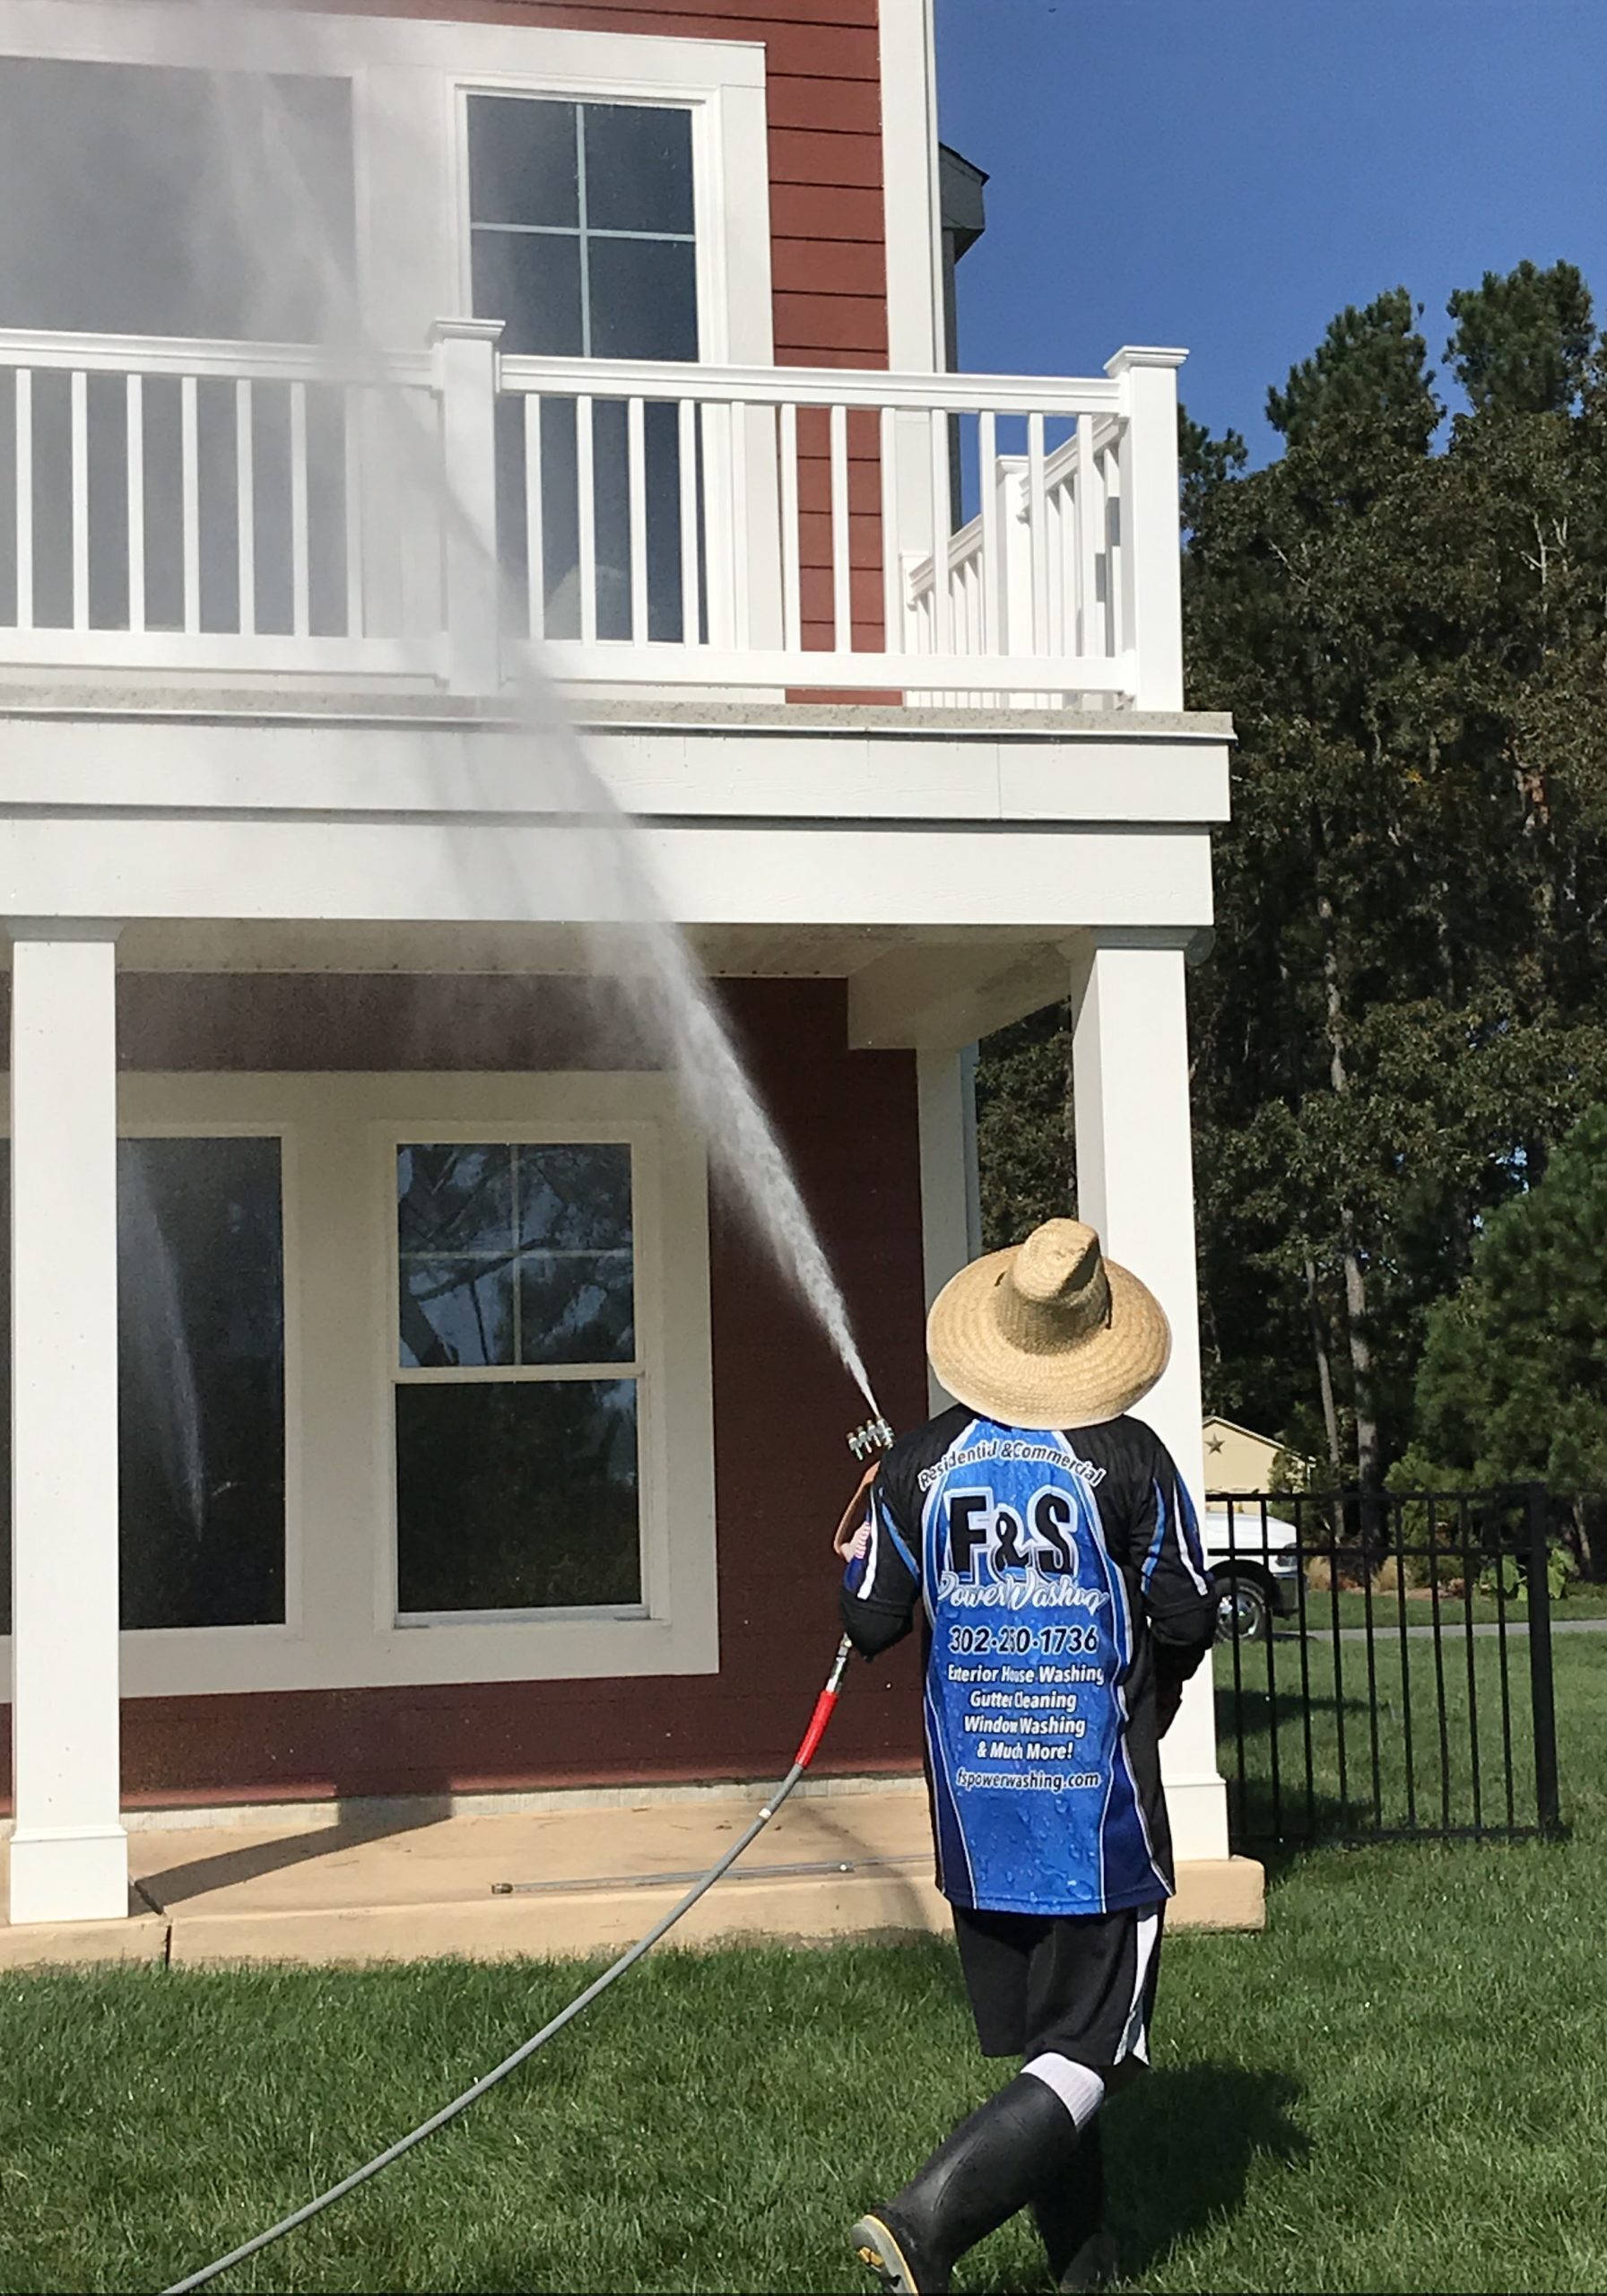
x: 1070, y: 2221
x: 1013, y: 2147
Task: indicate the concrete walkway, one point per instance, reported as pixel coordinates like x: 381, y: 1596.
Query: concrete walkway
x: 553, y: 1881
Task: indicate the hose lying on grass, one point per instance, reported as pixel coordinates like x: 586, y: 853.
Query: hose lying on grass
x: 811, y: 1740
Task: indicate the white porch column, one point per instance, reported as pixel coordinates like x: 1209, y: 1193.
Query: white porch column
x: 950, y: 1208
x: 1136, y: 1184
x: 69, y: 1856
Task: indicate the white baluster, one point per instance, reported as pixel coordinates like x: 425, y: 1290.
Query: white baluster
x: 692, y: 618
x: 994, y: 610
x: 942, y: 635
x: 1090, y: 529
x: 1037, y: 532
x: 842, y: 568
x: 587, y: 486
x: 79, y: 482
x: 792, y: 575
x: 535, y: 539
x: 893, y: 639
x: 245, y: 504
x: 301, y: 619
x: 190, y: 496
x: 636, y: 473
x: 25, y: 452
x: 134, y: 474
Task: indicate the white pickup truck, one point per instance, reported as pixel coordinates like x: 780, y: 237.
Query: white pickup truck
x: 1254, y: 1561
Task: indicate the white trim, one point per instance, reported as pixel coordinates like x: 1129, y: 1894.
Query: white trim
x: 339, y: 1631
x: 914, y: 301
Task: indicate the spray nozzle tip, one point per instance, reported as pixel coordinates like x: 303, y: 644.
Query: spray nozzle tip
x: 876, y: 1435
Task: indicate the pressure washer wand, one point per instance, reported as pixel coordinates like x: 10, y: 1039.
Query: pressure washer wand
x: 808, y: 1745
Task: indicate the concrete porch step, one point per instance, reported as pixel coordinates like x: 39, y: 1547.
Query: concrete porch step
x: 555, y: 1881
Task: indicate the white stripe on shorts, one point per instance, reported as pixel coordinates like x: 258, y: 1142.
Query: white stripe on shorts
x: 1135, y: 2037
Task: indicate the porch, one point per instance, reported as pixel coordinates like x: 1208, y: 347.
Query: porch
x: 349, y: 924
x: 560, y: 1874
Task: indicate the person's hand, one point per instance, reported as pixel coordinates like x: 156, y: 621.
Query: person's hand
x: 848, y: 1529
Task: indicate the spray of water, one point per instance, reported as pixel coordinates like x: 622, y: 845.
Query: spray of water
x: 641, y: 952
x: 164, y: 1374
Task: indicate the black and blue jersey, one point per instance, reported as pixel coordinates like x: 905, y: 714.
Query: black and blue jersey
x: 1062, y: 1585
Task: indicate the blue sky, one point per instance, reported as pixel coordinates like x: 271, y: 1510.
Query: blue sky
x: 1226, y: 174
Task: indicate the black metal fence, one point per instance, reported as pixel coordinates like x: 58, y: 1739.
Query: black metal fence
x: 1385, y: 1672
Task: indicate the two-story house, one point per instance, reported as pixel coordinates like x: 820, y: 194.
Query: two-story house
x: 395, y: 1412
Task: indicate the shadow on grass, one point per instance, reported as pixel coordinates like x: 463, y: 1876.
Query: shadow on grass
x: 1180, y: 2146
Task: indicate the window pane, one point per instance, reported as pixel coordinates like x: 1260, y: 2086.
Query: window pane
x: 575, y: 1198
x: 516, y: 1496
x: 453, y: 1198
x: 522, y: 161
x: 201, y: 1419
x: 644, y: 298
x: 577, y: 1307
x: 531, y: 281
x: 457, y: 1311
x: 201, y: 1382
x: 139, y: 200
x: 638, y: 168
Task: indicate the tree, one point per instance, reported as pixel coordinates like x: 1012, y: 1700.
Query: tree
x: 1406, y: 1008
x: 1522, y: 342
x: 1513, y: 1386
x: 1369, y: 366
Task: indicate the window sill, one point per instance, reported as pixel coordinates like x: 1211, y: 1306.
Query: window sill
x: 574, y: 1646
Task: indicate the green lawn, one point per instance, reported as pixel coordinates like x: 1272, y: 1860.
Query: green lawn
x: 1379, y: 1758
x: 1581, y: 1601
x: 1403, y: 2085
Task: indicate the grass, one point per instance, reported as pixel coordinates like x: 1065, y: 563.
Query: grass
x: 1581, y: 1601
x: 1403, y: 2085
x: 1369, y: 1725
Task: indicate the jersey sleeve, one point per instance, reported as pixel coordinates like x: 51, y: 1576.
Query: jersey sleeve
x: 883, y: 1582
x: 1179, y: 1599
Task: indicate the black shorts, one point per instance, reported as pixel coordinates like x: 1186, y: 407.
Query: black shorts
x: 1080, y: 1984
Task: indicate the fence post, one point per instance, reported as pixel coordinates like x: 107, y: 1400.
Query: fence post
x: 1152, y: 557
x: 1542, y: 1688
x: 465, y: 355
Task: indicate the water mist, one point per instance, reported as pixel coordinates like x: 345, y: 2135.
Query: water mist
x: 643, y: 955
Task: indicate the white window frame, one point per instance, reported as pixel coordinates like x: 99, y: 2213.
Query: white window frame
x: 410, y: 81
x: 338, y: 1135
x: 651, y: 1342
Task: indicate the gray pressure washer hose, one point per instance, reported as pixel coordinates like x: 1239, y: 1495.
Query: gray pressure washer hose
x: 816, y: 1731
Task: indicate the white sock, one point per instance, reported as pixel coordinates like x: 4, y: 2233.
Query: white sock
x: 1079, y: 2089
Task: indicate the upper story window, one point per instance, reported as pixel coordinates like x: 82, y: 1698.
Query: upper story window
x: 142, y: 199
x: 582, y: 226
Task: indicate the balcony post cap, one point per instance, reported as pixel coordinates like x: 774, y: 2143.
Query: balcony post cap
x: 465, y: 330
x: 1134, y: 354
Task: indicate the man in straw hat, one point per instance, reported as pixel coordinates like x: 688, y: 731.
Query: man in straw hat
x: 1052, y: 1547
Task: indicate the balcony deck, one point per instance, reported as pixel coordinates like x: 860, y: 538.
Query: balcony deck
x: 432, y: 522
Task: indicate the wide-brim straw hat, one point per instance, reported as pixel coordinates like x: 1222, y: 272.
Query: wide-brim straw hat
x: 1048, y: 1334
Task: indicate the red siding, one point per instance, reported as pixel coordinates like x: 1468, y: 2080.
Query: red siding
x: 782, y: 1408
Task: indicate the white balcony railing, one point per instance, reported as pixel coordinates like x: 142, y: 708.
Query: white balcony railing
x: 247, y: 508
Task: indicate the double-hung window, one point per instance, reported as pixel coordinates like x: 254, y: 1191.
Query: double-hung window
x: 518, y: 1379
